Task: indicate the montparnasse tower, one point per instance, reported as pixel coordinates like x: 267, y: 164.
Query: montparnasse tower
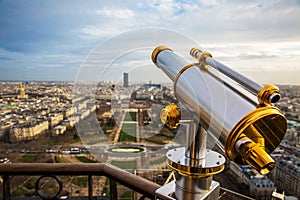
x: 22, y: 94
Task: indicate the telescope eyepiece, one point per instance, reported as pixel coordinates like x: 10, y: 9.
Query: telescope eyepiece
x: 255, y: 155
x: 274, y: 98
x: 268, y: 94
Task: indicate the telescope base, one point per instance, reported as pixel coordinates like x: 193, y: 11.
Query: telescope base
x: 193, y: 178
x: 168, y: 191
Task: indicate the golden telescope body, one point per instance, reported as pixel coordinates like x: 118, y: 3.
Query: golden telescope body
x: 236, y: 111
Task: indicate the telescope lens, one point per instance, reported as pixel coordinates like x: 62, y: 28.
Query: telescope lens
x: 255, y: 155
x: 267, y: 168
x: 274, y: 98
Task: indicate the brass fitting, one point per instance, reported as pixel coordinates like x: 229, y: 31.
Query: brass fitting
x: 170, y: 116
x: 256, y: 136
x: 194, y: 52
x: 178, y: 162
x: 156, y: 51
x: 179, y: 74
x: 268, y: 94
x: 254, y: 154
x: 200, y: 57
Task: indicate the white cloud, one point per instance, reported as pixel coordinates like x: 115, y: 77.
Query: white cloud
x: 169, y: 10
x: 110, y: 21
x: 118, y: 13
x: 210, y: 3
x: 255, y: 49
x: 94, y: 31
x: 165, y: 6
x: 262, y: 62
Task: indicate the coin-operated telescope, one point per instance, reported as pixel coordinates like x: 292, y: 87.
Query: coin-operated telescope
x: 227, y: 106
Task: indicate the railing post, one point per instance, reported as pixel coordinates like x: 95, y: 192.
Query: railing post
x: 90, y: 182
x: 6, y: 187
x: 113, y: 190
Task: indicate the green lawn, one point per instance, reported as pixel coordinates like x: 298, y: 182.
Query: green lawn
x: 124, y: 164
x: 128, y: 133
x: 158, y: 161
x: 130, y: 116
x: 94, y: 138
x: 159, y: 139
x: 27, y: 158
x: 129, y: 128
x: 84, y: 159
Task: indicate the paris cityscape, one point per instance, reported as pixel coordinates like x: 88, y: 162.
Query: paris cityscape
x: 88, y: 112
x: 50, y: 122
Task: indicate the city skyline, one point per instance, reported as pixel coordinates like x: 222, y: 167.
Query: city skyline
x: 51, y: 40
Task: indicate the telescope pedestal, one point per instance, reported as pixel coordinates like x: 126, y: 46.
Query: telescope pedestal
x: 167, y: 190
x: 194, y: 179
x: 192, y: 188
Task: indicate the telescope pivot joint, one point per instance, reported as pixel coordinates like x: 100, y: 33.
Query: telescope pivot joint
x: 170, y: 116
x: 201, y: 57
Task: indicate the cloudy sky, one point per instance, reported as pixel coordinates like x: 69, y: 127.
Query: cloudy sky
x: 52, y: 40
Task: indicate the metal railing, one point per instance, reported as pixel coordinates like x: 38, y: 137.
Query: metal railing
x: 146, y: 188
x: 143, y: 186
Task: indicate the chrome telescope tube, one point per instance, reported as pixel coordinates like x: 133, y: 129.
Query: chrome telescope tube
x: 233, y: 109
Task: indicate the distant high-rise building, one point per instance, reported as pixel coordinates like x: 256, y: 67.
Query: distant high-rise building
x: 125, y: 77
x: 22, y: 94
